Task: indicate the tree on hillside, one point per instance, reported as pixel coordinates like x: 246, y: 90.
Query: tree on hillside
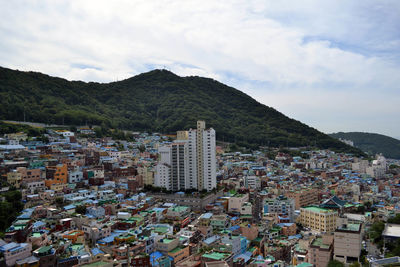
x: 335, y: 263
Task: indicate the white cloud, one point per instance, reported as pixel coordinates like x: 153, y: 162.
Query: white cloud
x: 303, y: 58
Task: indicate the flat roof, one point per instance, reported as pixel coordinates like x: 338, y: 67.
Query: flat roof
x: 354, y: 227
x: 318, y: 209
x: 216, y: 255
x: 392, y: 230
x: 318, y: 243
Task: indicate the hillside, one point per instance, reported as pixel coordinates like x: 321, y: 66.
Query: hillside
x: 373, y: 143
x: 157, y: 101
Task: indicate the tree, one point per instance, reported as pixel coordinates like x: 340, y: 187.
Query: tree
x: 376, y: 230
x: 59, y: 201
x: 395, y: 219
x: 142, y: 148
x: 81, y: 209
x: 335, y: 263
x: 73, y: 128
x: 355, y: 264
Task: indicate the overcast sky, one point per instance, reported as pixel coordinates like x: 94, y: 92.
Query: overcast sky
x: 334, y: 65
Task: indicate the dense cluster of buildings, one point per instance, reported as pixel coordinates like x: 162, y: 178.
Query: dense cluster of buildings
x: 85, y: 202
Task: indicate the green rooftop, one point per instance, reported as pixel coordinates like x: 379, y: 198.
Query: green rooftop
x: 304, y: 264
x: 216, y: 255
x: 317, y: 209
x: 177, y: 249
x: 95, y: 264
x: 36, y: 234
x: 77, y: 247
x: 167, y: 240
x: 179, y: 208
x: 318, y: 243
x: 161, y: 229
x: 43, y: 249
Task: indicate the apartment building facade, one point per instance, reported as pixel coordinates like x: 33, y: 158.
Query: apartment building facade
x: 303, y: 197
x: 347, y: 246
x: 319, y: 219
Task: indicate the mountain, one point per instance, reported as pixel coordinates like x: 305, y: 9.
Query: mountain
x: 157, y: 101
x: 373, y: 143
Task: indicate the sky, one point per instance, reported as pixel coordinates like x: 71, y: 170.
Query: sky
x: 334, y: 65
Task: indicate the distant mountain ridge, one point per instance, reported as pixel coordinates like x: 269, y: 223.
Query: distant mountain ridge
x: 373, y: 143
x: 156, y: 101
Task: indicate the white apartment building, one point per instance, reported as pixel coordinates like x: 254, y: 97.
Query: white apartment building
x: 172, y: 169
x: 189, y: 162
x: 202, y: 158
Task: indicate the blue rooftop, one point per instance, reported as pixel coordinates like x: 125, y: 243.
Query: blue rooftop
x: 96, y: 251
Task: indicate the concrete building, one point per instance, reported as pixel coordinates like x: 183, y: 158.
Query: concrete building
x: 236, y: 202
x: 318, y: 219
x: 252, y: 181
x: 15, y: 251
x: 189, y: 162
x: 320, y: 251
x: 75, y: 176
x: 347, y: 245
x: 303, y: 197
x: 281, y: 206
x: 391, y: 232
x: 14, y: 178
x: 202, y: 157
x: 56, y: 175
x: 166, y: 244
x: 172, y: 169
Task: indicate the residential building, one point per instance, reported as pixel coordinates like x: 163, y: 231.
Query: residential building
x: 189, y: 162
x: 202, y: 160
x: 347, y: 243
x: 303, y: 197
x: 56, y: 175
x: 75, y: 176
x: 281, y: 206
x: 319, y: 219
x: 166, y: 244
x: 15, y: 251
x: 14, y: 178
x: 236, y: 202
x: 320, y: 251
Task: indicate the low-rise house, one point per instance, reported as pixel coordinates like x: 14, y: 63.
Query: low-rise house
x: 15, y: 251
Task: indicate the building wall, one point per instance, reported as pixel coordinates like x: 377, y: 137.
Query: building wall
x: 188, y: 163
x: 180, y: 255
x: 209, y: 160
x: 56, y: 175
x: 163, y: 169
x: 235, y: 203
x: 14, y: 178
x: 318, y: 219
x: 346, y: 245
x: 304, y: 197
x: 319, y: 258
x: 284, y: 206
x: 21, y: 253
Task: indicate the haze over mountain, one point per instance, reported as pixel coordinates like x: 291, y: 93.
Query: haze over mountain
x: 373, y: 143
x: 157, y: 101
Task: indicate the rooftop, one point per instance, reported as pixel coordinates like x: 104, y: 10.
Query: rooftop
x: 354, y: 227
x: 216, y: 255
x: 317, y: 242
x: 317, y: 209
x: 392, y: 230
